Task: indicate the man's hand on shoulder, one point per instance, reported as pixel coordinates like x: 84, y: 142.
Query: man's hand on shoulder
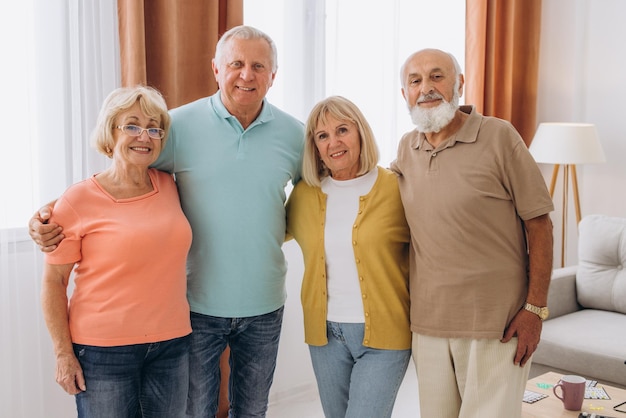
x: 45, y: 235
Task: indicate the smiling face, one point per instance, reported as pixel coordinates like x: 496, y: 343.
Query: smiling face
x: 339, y: 146
x: 135, y: 150
x: 431, y: 88
x: 244, y: 74
x: 429, y: 77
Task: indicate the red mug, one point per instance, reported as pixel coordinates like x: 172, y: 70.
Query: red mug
x: 573, y: 391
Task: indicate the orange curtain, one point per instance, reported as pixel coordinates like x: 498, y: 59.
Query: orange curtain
x: 502, y: 60
x: 169, y: 44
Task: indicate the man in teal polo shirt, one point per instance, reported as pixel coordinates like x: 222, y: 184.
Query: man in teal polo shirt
x: 233, y: 154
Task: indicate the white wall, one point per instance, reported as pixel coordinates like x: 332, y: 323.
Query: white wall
x: 582, y: 68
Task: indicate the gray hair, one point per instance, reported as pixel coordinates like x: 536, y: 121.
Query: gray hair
x: 245, y: 32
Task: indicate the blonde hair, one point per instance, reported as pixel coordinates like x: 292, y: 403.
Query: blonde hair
x: 313, y: 169
x: 151, y: 102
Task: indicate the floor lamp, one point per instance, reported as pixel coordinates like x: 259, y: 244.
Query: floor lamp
x: 566, y: 144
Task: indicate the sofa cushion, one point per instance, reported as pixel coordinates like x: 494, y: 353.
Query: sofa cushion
x: 601, y: 278
x: 590, y: 343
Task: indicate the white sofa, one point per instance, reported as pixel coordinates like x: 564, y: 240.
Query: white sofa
x: 586, y: 331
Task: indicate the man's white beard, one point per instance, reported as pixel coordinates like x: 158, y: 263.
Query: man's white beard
x: 437, y: 118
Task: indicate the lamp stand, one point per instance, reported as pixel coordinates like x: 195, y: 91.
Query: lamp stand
x: 555, y: 173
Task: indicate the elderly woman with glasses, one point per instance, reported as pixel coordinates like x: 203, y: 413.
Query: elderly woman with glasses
x: 122, y: 341
x: 348, y: 219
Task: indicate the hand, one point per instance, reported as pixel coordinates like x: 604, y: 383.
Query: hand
x: 46, y: 235
x: 69, y: 374
x: 526, y: 326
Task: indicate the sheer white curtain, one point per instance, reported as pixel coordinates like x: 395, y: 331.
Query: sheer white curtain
x: 366, y: 44
x: 60, y: 59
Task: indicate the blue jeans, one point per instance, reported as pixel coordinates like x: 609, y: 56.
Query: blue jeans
x: 355, y: 381
x: 253, y: 343
x: 139, y: 380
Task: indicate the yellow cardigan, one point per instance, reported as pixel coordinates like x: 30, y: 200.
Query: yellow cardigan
x: 380, y: 239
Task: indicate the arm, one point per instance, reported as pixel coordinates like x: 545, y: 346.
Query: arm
x: 288, y: 216
x: 69, y: 374
x: 46, y: 235
x: 540, y: 246
x: 526, y: 325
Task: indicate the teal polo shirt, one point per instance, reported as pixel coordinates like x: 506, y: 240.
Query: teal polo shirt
x: 232, y: 183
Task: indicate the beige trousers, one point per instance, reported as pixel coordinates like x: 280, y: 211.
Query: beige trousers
x: 466, y: 378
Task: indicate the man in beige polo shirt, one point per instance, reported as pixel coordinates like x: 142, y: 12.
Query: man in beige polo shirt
x: 481, y: 237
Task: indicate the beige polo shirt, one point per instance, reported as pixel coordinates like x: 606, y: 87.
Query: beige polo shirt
x: 465, y: 202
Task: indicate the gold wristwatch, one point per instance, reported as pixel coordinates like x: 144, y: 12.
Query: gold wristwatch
x: 541, y: 312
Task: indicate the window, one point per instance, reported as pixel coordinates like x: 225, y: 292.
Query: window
x: 355, y: 48
x: 60, y: 61
x: 16, y: 162
x: 60, y: 58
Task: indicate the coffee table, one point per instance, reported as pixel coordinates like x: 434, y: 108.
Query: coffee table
x: 552, y: 407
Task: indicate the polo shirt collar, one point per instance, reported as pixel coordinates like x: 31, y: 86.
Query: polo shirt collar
x: 265, y: 116
x: 467, y: 134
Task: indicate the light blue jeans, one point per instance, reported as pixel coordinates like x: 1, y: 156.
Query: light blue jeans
x: 355, y: 381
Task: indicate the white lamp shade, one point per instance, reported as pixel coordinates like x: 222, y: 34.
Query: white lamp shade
x: 567, y: 143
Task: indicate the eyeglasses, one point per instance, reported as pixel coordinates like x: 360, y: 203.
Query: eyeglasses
x: 134, y: 130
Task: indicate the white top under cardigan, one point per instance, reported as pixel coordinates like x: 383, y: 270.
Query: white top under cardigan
x: 344, y: 293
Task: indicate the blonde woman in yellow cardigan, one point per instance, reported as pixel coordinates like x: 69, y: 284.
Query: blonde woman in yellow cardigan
x: 348, y: 219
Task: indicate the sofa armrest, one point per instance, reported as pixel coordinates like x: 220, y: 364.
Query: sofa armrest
x: 562, y: 298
